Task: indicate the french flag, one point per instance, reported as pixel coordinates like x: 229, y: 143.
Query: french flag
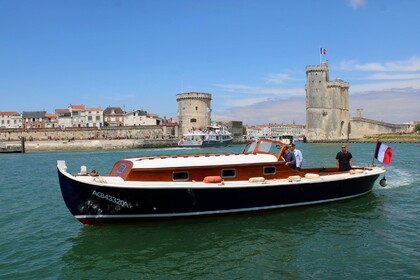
x: 383, y: 153
x: 323, y: 51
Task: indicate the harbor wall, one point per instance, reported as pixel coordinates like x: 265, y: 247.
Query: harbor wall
x: 362, y: 127
x: 98, y: 144
x: 85, y: 133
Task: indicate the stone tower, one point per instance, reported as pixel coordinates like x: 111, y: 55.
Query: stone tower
x: 327, y: 106
x: 193, y: 111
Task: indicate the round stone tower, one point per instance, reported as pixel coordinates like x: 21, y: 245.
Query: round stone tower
x: 327, y: 106
x: 193, y: 111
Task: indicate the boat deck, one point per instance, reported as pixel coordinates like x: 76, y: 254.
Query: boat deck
x: 116, y: 181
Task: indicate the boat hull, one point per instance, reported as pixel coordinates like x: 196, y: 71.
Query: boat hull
x: 93, y: 204
x: 205, y: 143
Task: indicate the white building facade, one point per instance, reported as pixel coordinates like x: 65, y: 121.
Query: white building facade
x: 139, y: 117
x: 10, y: 120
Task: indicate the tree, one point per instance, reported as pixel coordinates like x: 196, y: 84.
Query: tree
x: 417, y: 127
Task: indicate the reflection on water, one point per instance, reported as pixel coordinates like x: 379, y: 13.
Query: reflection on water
x: 216, y: 246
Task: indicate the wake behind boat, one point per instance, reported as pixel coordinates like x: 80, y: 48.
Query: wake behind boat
x: 212, y: 136
x: 156, y: 187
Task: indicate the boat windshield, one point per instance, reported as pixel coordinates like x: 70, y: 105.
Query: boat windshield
x: 263, y: 146
x: 250, y: 147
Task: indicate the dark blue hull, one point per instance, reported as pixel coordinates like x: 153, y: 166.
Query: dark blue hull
x: 93, y: 204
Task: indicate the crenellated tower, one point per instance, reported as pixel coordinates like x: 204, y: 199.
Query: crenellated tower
x: 327, y: 106
x: 193, y: 111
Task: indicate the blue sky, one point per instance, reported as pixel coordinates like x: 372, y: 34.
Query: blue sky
x: 250, y: 55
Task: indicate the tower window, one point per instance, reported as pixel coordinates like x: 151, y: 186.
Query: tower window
x: 193, y: 120
x: 196, y: 108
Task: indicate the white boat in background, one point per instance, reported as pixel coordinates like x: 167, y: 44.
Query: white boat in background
x: 287, y: 139
x: 298, y: 138
x: 213, y: 135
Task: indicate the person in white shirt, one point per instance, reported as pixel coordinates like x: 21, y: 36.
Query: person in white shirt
x: 298, y: 156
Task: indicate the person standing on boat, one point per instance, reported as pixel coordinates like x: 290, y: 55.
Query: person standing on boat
x: 298, y: 156
x: 289, y: 157
x: 344, y: 159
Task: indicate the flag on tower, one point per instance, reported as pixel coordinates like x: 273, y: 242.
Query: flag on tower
x: 323, y: 51
x: 383, y: 153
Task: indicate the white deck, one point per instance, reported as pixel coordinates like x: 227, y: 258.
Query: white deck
x: 201, y: 160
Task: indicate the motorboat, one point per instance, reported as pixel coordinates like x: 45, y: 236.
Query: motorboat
x: 193, y: 185
x: 214, y: 135
x: 286, y: 139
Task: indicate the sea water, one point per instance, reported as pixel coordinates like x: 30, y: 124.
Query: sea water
x: 375, y: 236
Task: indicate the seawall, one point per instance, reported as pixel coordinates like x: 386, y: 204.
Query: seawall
x: 100, y: 144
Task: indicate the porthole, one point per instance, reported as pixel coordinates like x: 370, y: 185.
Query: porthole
x: 180, y: 175
x: 228, y: 173
x: 269, y: 170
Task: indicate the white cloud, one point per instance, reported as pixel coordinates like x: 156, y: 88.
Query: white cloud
x: 390, y: 92
x: 270, y: 111
x: 277, y: 78
x: 385, y: 86
x: 409, y: 65
x: 386, y: 76
x: 245, y: 102
x: 396, y: 106
x: 355, y: 4
x: 245, y: 89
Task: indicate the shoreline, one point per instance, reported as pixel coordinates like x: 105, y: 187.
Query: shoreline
x: 115, y: 144
x: 118, y: 144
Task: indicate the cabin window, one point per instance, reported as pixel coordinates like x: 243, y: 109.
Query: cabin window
x: 228, y: 173
x: 269, y: 170
x: 180, y: 176
x: 121, y: 169
x: 250, y: 147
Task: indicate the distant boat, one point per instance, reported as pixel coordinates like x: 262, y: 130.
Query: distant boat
x: 173, y: 186
x: 287, y: 139
x: 214, y: 135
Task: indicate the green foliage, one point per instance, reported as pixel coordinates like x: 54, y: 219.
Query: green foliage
x: 417, y: 127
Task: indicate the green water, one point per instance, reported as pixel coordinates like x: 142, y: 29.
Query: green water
x: 372, y: 237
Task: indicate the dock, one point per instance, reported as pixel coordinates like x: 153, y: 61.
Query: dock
x: 13, y: 148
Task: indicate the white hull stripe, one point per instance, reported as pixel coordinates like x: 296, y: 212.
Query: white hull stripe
x: 216, y: 211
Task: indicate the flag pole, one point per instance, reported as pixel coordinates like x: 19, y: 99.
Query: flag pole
x: 320, y: 56
x: 374, y: 152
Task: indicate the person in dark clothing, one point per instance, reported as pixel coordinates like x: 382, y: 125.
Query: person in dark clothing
x: 344, y: 159
x: 289, y: 157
